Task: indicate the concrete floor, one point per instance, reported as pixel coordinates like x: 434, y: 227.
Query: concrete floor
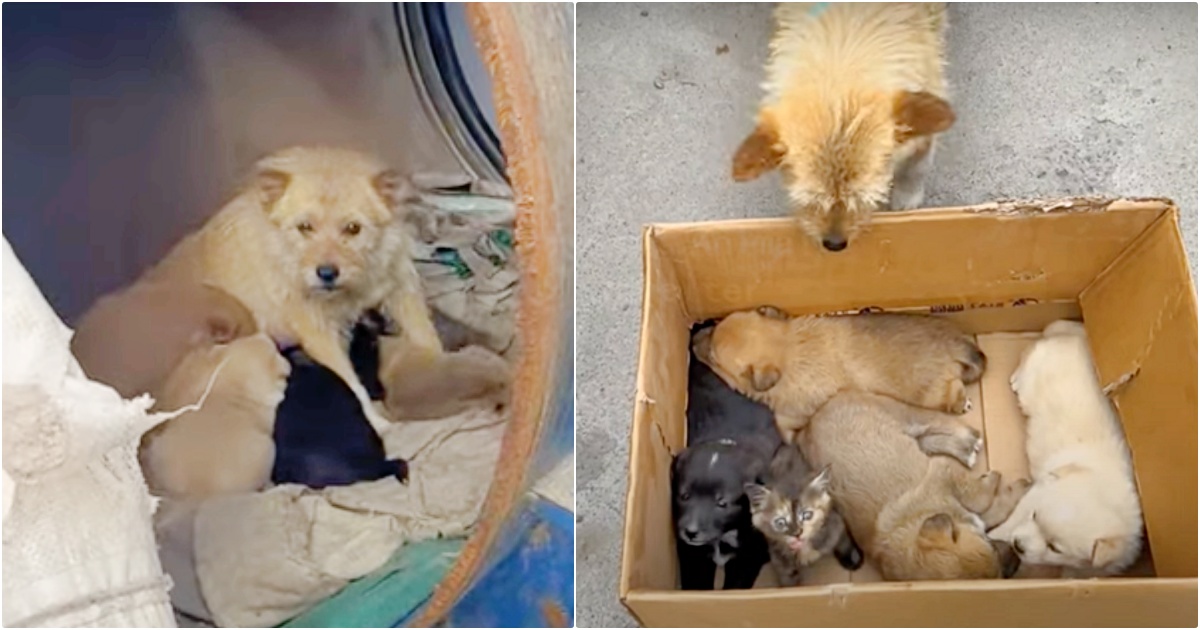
x: 1052, y: 99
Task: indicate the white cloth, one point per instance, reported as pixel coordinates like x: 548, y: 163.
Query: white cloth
x: 78, y: 545
x: 265, y: 557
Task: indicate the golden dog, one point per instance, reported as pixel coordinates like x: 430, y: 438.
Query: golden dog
x: 318, y: 237
x: 795, y: 364
x: 854, y: 96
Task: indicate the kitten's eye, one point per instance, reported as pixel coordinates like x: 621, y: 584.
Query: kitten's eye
x: 352, y: 228
x: 780, y: 524
x: 806, y: 515
x: 1053, y: 547
x: 305, y: 227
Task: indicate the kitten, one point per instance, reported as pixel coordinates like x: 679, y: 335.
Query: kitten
x: 795, y: 513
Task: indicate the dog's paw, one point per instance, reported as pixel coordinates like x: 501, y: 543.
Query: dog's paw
x: 401, y: 470
x: 967, y: 405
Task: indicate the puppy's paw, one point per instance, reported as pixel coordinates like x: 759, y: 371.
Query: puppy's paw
x: 400, y: 467
x: 967, y: 406
x: 990, y: 482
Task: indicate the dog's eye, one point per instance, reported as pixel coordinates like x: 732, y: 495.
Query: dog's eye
x: 1053, y: 547
x: 305, y: 227
x: 806, y: 515
x: 684, y: 496
x: 780, y: 524
x: 722, y: 503
x: 352, y: 228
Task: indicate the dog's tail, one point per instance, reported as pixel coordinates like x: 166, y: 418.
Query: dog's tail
x: 973, y: 361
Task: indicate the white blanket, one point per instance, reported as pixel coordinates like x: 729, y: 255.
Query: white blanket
x: 265, y: 557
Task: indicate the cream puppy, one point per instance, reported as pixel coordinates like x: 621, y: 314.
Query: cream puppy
x: 1082, y: 512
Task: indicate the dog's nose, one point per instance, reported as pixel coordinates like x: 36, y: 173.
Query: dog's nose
x: 690, y: 533
x: 327, y: 273
x: 834, y: 243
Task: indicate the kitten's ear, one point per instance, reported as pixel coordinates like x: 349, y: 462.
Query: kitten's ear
x: 757, y: 495
x: 821, y: 482
x: 1105, y: 551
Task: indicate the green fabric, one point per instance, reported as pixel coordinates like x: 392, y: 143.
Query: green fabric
x: 390, y: 593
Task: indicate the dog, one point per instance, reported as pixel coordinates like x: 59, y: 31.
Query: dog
x: 731, y: 440
x: 795, y: 364
x: 132, y: 339
x: 322, y: 438
x: 855, y: 96
x: 456, y: 381
x: 919, y: 515
x: 225, y: 446
x: 1083, y: 512
x: 316, y: 238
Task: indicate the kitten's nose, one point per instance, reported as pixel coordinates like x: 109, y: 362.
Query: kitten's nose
x: 328, y: 273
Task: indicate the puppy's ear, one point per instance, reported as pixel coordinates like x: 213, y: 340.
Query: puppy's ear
x: 821, y: 482
x: 271, y: 185
x: 1105, y: 551
x: 395, y: 189
x: 920, y: 114
x: 760, y: 152
x: 702, y: 344
x: 763, y: 378
x: 758, y: 496
x: 772, y: 312
x: 938, y: 530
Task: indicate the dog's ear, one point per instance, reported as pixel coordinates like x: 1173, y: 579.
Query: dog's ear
x: 920, y: 114
x: 772, y: 312
x: 395, y: 189
x: 763, y: 377
x: 271, y: 185
x: 702, y: 344
x: 1105, y: 551
x: 820, y: 483
x: 760, y: 152
x: 938, y: 530
x: 757, y: 495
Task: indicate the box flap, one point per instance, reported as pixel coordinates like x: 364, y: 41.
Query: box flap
x: 1140, y: 315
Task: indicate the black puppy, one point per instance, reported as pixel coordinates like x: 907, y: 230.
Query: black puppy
x: 322, y: 436
x: 730, y: 443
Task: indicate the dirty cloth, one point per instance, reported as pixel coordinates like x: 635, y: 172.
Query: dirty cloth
x: 265, y: 557
x: 464, y: 253
x: 79, y: 549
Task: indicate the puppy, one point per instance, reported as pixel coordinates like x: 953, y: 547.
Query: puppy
x: 322, y: 438
x: 917, y: 516
x: 1082, y: 512
x: 855, y: 95
x: 132, y: 339
x: 225, y: 446
x: 731, y: 440
x: 318, y: 237
x: 471, y: 377
x: 795, y: 364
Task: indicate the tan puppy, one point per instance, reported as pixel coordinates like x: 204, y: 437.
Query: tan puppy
x: 226, y: 446
x: 132, y: 339
x: 317, y: 238
x: 795, y: 364
x: 917, y: 517
x: 854, y: 96
x: 471, y: 377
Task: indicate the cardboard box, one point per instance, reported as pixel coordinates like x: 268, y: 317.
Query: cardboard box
x: 1001, y: 271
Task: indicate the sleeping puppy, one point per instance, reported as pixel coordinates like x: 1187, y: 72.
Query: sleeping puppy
x: 917, y: 516
x: 132, y: 339
x: 855, y: 97
x: 795, y: 364
x: 322, y: 437
x: 224, y: 446
x: 731, y: 440
x: 1082, y: 512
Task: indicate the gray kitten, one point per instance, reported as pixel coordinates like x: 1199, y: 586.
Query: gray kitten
x: 795, y: 513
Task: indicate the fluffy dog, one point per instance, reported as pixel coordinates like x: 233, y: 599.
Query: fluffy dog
x: 1082, y: 512
x: 225, y: 446
x: 317, y: 238
x: 731, y: 440
x: 917, y: 516
x: 132, y: 339
x: 855, y: 94
x: 796, y: 364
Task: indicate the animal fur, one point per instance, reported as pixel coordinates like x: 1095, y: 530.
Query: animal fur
x: 132, y: 339
x: 471, y: 377
x: 307, y: 213
x: 795, y: 364
x: 225, y: 446
x: 917, y: 516
x: 855, y: 95
x: 1082, y: 512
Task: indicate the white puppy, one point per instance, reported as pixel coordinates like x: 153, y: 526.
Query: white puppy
x: 1082, y: 512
